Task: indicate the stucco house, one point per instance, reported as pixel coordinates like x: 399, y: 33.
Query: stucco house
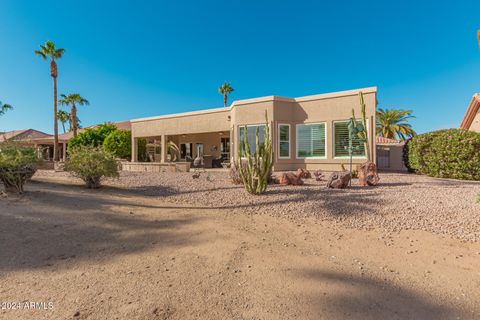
x: 471, y: 120
x: 22, y: 135
x: 45, y: 144
x: 307, y: 132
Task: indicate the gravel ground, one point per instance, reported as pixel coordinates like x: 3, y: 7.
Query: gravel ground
x: 400, y: 202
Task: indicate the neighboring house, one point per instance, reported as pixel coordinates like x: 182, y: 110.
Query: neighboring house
x: 46, y: 143
x: 22, y: 135
x: 307, y: 132
x: 390, y: 154
x: 471, y: 120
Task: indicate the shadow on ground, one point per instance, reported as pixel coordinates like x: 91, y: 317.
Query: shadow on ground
x: 53, y: 226
x: 354, y: 297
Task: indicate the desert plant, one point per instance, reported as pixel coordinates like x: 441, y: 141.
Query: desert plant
x: 18, y: 163
x: 73, y: 100
x: 393, y: 124
x: 361, y: 130
x: 225, y: 89
x: 48, y: 50
x: 119, y: 143
x: 452, y: 153
x: 354, y: 173
x: 257, y: 170
x: 91, y: 164
x: 234, y: 174
x: 91, y: 136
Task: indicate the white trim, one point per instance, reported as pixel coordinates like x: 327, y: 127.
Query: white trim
x: 289, y: 140
x: 296, y: 140
x: 333, y: 139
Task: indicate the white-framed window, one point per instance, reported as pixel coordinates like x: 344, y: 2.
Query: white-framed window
x: 283, y: 141
x: 251, y: 131
x: 312, y: 140
x: 340, y: 141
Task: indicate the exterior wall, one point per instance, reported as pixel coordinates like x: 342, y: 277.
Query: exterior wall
x: 204, y: 126
x: 395, y: 152
x: 475, y: 126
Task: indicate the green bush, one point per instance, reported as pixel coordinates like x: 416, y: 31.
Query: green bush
x: 91, y: 164
x: 91, y: 137
x: 18, y: 163
x: 119, y: 143
x: 451, y: 153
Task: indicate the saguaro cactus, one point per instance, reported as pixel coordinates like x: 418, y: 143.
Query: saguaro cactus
x: 361, y: 130
x: 257, y: 168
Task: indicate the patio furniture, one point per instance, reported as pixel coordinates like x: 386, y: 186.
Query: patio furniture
x: 217, y: 162
x: 226, y: 164
x: 207, y: 161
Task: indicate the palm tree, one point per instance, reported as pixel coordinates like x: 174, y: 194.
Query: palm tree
x: 393, y: 124
x: 48, y: 50
x: 4, y: 107
x: 73, y: 100
x: 225, y: 89
x: 64, y: 117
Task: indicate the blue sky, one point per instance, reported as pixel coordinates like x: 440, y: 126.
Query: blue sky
x: 133, y: 59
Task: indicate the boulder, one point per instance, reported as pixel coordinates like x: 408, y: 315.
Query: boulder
x: 289, y: 178
x: 339, y: 180
x: 303, y: 173
x: 367, y: 174
x: 318, y: 175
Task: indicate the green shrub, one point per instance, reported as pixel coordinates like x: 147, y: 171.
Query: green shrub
x: 91, y: 137
x: 91, y: 164
x: 119, y: 143
x: 18, y: 163
x: 451, y: 153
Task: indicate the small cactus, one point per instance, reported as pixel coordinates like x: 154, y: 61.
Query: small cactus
x: 361, y: 129
x: 255, y: 173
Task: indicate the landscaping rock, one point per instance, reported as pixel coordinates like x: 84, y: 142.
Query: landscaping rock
x: 289, y: 178
x: 339, y: 180
x: 303, y: 173
x: 367, y: 174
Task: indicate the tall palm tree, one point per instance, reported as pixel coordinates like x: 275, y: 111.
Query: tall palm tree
x: 49, y: 51
x: 73, y: 100
x: 393, y: 124
x: 225, y: 89
x: 4, y: 107
x: 64, y: 117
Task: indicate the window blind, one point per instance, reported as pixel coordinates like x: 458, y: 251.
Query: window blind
x: 311, y: 140
x: 341, y: 141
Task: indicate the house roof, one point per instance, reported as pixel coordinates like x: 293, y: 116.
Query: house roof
x: 25, y: 134
x: 473, y: 109
x: 65, y: 137
x: 383, y: 140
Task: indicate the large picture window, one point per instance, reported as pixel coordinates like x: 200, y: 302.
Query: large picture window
x: 340, y: 132
x: 250, y: 131
x: 284, y: 141
x: 311, y: 140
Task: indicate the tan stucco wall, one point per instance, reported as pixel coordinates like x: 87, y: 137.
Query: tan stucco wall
x: 210, y: 141
x: 476, y: 123
x: 321, y: 108
x: 395, y: 157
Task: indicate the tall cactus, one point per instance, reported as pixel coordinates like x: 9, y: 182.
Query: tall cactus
x: 255, y: 172
x: 361, y: 131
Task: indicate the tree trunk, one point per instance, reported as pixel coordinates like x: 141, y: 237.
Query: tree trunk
x: 74, y: 119
x: 63, y: 127
x: 56, y: 156
x: 225, y: 100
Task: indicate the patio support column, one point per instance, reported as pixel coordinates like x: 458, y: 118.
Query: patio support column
x: 134, y: 149
x: 163, y: 148
x: 64, y: 151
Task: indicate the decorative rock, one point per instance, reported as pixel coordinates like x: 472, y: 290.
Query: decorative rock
x: 367, y: 174
x: 303, y: 173
x: 318, y: 175
x: 289, y: 178
x: 339, y: 180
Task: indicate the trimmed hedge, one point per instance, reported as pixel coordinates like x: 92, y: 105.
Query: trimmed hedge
x: 119, y: 143
x: 452, y: 153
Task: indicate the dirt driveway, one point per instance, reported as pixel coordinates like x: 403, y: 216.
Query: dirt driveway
x: 111, y: 254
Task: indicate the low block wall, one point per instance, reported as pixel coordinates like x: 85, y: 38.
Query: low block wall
x: 156, y: 167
